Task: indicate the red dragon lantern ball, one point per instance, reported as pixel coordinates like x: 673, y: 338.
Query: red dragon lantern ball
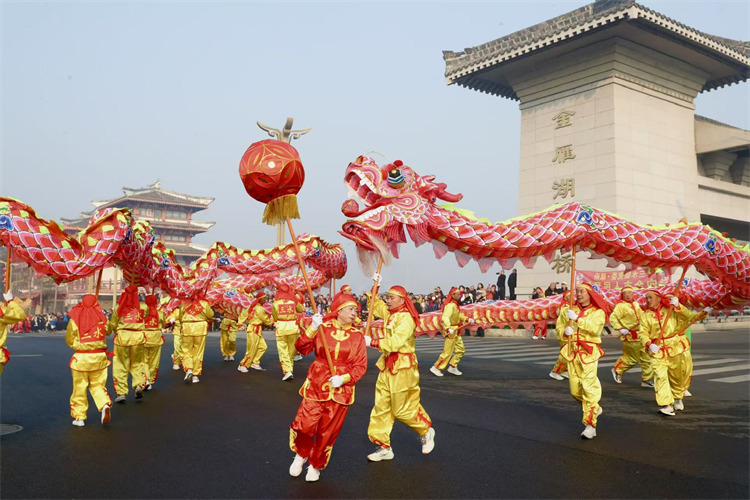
x: 272, y: 173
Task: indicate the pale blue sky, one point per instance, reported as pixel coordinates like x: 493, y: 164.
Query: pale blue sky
x: 100, y: 95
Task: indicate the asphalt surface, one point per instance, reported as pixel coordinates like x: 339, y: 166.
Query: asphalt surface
x: 503, y: 430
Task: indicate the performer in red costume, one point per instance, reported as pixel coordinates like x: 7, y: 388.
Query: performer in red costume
x: 327, y: 397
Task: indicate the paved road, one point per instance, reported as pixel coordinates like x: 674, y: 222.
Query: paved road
x: 504, y: 430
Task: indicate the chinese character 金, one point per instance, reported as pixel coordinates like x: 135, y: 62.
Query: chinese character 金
x: 562, y: 119
x: 563, y: 154
x: 562, y: 263
x: 564, y: 187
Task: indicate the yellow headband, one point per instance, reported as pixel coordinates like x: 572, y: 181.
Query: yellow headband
x: 346, y: 304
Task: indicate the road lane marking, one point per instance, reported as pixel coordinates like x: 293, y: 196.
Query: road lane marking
x: 732, y: 380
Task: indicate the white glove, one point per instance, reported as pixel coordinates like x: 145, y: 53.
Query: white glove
x: 708, y: 310
x: 674, y: 302
x: 624, y: 331
x: 368, y: 341
x: 568, y: 331
x: 450, y: 331
x: 471, y: 321
x: 170, y: 321
x: 376, y: 277
x: 8, y: 296
x: 336, y: 380
x: 572, y: 315
x: 317, y: 320
x: 654, y: 348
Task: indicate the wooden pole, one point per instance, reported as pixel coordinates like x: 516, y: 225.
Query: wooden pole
x: 99, y: 283
x: 7, y: 269
x: 671, y: 309
x: 115, y: 282
x: 572, y: 287
x: 309, y: 291
x: 333, y: 287
x: 373, y: 294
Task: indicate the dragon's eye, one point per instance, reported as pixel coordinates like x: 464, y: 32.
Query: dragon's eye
x: 395, y: 178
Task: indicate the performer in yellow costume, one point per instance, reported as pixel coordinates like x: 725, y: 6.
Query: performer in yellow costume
x: 152, y: 326
x: 588, y: 316
x: 228, y: 341
x: 127, y: 323
x: 256, y: 317
x: 397, y: 392
x: 669, y: 348
x: 285, y: 313
x: 452, y: 319
x: 10, y: 313
x: 626, y: 321
x: 195, y: 316
x: 327, y: 396
x: 560, y: 370
x: 86, y: 333
x: 173, y: 319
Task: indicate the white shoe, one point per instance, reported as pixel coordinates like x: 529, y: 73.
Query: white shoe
x: 428, y: 441
x: 188, y: 377
x: 298, y: 357
x: 231, y: 358
x: 667, y: 410
x: 256, y: 366
x: 296, y: 468
x: 454, y: 370
x: 226, y: 358
x: 312, y: 475
x: 589, y: 432
x: 436, y: 371
x: 79, y: 423
x: 242, y: 369
x: 616, y: 376
x: 648, y: 384
x: 679, y: 405
x: 687, y: 393
x: 175, y: 367
x: 120, y: 398
x: 534, y: 337
x: 288, y: 376
x: 138, y: 392
x: 599, y: 411
x: 105, y: 414
x: 195, y: 379
x: 149, y: 386
x: 566, y: 375
x: 556, y: 376
x: 380, y: 454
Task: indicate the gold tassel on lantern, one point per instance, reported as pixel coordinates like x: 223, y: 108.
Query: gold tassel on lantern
x: 278, y: 209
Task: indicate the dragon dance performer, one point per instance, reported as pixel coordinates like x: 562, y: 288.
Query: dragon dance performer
x: 86, y: 332
x: 10, y: 313
x: 397, y: 392
x: 228, y: 341
x: 669, y: 348
x: 347, y: 290
x: 256, y: 317
x: 626, y: 320
x: 152, y: 326
x: 127, y: 323
x: 560, y: 370
x: 326, y: 396
x: 174, y: 319
x: 451, y: 319
x: 589, y: 315
x: 195, y: 316
x: 286, y: 306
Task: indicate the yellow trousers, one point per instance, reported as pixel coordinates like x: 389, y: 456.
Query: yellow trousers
x: 177, y: 353
x: 193, y: 349
x: 287, y: 351
x: 672, y: 377
x: 585, y: 388
x: 96, y: 383
x: 397, y: 398
x: 256, y: 348
x: 561, y: 365
x: 228, y: 343
x: 632, y: 354
x: 128, y: 359
x: 153, y: 356
x: 454, y: 346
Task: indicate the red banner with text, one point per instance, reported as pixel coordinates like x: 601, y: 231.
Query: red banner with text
x: 637, y: 278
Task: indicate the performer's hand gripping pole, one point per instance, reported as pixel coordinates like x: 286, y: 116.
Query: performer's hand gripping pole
x: 373, y: 294
x: 572, y: 288
x: 671, y: 308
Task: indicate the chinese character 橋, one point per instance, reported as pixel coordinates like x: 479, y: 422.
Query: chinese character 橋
x: 562, y: 263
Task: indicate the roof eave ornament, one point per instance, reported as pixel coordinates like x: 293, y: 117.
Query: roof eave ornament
x: 286, y: 134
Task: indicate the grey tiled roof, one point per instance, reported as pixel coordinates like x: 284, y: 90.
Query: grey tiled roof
x: 459, y: 66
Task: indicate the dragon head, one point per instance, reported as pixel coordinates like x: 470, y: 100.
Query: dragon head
x: 394, y: 197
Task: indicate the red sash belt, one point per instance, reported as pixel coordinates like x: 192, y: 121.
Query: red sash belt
x: 585, y: 345
x: 390, y: 360
x: 6, y: 352
x: 97, y: 351
x: 634, y: 334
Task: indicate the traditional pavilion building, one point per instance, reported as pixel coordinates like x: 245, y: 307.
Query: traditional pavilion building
x: 171, y: 217
x: 606, y: 94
